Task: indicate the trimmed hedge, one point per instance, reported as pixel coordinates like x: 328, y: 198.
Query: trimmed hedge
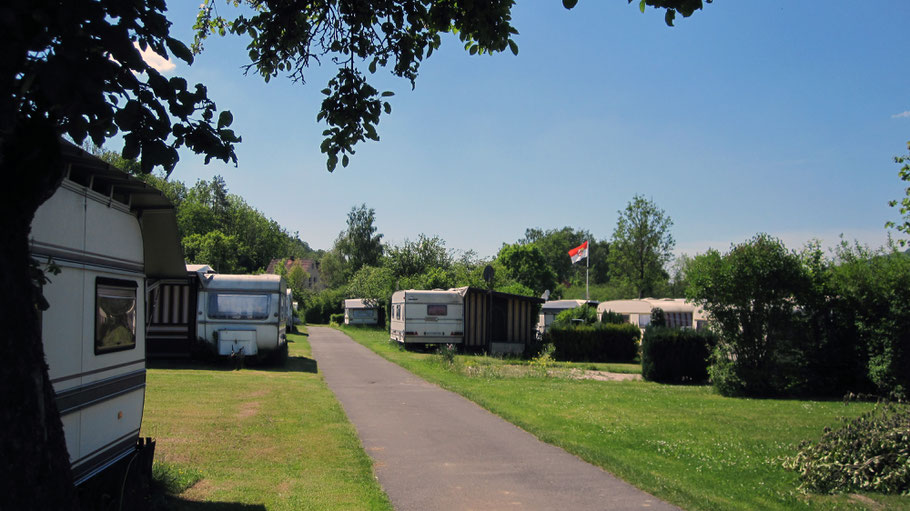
x: 337, y: 319
x: 600, y: 342
x: 675, y: 355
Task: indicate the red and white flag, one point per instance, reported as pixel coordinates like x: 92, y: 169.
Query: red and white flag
x: 578, y: 253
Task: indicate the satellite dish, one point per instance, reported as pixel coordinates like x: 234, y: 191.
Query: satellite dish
x: 488, y: 273
x: 546, y: 295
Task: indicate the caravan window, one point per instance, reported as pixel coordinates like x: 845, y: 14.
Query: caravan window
x: 398, y: 312
x: 437, y: 310
x: 237, y: 306
x: 115, y: 315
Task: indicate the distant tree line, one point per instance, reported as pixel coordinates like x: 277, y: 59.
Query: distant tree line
x: 633, y: 263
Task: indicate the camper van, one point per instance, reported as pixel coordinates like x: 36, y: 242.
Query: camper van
x: 243, y: 314
x: 113, y: 238
x: 427, y: 317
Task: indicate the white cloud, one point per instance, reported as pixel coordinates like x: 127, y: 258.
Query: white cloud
x: 905, y: 113
x: 157, y: 62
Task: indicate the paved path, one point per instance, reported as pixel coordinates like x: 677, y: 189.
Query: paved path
x: 435, y: 450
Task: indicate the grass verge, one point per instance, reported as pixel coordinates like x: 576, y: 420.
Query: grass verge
x: 685, y: 444
x: 259, y: 438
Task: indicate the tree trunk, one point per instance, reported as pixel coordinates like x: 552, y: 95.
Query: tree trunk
x: 35, y: 471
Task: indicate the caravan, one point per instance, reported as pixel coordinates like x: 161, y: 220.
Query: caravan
x: 243, y: 314
x: 427, y: 317
x: 113, y: 239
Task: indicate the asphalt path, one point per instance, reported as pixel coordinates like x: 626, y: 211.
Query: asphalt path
x: 435, y: 450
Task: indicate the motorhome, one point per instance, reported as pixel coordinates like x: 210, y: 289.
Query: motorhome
x: 113, y: 238
x: 427, y: 317
x: 243, y: 314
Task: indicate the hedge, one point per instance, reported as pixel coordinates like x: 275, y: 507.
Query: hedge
x: 600, y: 342
x: 675, y: 355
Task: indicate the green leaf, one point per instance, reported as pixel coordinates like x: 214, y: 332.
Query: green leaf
x: 513, y: 46
x: 344, y: 161
x: 179, y: 50
x: 568, y: 4
x: 641, y: 6
x: 387, y: 94
x: 373, y: 66
x: 225, y: 119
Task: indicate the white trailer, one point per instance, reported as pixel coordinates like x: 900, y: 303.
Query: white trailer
x: 106, y: 232
x: 427, y: 317
x: 243, y: 314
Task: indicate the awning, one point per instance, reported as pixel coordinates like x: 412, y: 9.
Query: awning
x: 162, y: 251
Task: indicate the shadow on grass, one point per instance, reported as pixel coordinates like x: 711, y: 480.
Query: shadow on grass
x: 291, y: 365
x: 171, y: 503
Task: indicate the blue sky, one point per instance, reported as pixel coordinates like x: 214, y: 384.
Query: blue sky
x: 750, y: 116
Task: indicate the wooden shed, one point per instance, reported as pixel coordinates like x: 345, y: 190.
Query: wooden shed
x: 497, y: 322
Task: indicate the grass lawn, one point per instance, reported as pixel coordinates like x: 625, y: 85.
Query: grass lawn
x: 685, y: 444
x: 259, y: 438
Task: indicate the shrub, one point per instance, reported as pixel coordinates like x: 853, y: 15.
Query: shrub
x: 584, y: 314
x: 674, y: 355
x: 600, y: 342
x: 658, y: 318
x: 446, y: 353
x: 337, y: 319
x: 870, y: 453
x: 319, y: 307
x: 876, y: 289
x: 612, y: 318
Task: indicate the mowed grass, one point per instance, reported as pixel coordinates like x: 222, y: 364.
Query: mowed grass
x: 259, y: 438
x: 684, y: 444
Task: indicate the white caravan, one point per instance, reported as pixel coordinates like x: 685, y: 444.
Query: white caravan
x: 242, y: 314
x: 106, y: 232
x: 427, y: 317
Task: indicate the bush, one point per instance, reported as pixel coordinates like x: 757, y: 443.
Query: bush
x: 876, y: 289
x: 319, y: 307
x: 673, y: 355
x: 600, y: 342
x: 658, y: 318
x: 337, y: 319
x: 584, y: 314
x: 612, y: 318
x: 870, y: 453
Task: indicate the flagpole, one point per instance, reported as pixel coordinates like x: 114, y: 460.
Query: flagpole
x: 587, y: 265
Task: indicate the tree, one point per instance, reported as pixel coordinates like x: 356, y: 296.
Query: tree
x: 416, y: 257
x: 905, y: 201
x: 215, y: 249
x: 359, y: 244
x: 397, y: 35
x: 750, y: 294
x: 642, y: 245
x: 554, y: 245
x: 526, y: 265
x: 374, y: 285
x: 75, y: 69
